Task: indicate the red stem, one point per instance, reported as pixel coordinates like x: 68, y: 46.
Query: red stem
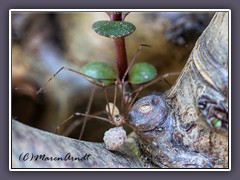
x: 116, y: 16
x: 121, y: 56
x: 120, y: 49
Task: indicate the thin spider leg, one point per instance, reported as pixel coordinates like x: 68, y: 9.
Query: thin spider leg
x: 134, y: 57
x: 115, y: 98
x: 79, y: 114
x: 125, y: 15
x: 107, y: 101
x: 71, y: 127
x: 23, y: 89
x: 126, y: 95
x: 135, y: 97
x: 95, y: 81
x: 76, y: 123
x: 122, y: 96
x: 162, y: 77
x: 128, y: 100
x: 109, y: 14
x: 167, y: 82
x: 138, y: 90
x: 87, y: 111
x: 50, y: 79
x: 123, y: 108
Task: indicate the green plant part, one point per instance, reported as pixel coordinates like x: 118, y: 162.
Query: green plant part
x: 116, y: 29
x: 101, y: 71
x: 141, y: 73
x: 113, y: 29
x: 216, y: 123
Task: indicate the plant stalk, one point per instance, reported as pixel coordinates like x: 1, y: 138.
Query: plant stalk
x: 120, y: 48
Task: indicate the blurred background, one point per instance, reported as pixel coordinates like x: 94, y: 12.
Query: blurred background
x: 43, y: 42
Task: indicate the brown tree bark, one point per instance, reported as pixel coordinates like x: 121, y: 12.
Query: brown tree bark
x: 190, y: 124
x: 201, y: 93
x: 34, y: 148
x: 193, y: 133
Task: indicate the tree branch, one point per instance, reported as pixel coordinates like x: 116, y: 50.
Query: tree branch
x: 28, y: 141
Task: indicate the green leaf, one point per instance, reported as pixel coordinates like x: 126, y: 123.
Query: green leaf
x: 113, y: 29
x: 217, y: 123
x: 141, y: 73
x: 99, y: 71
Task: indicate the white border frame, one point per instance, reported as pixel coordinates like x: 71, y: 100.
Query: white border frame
x: 103, y: 10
